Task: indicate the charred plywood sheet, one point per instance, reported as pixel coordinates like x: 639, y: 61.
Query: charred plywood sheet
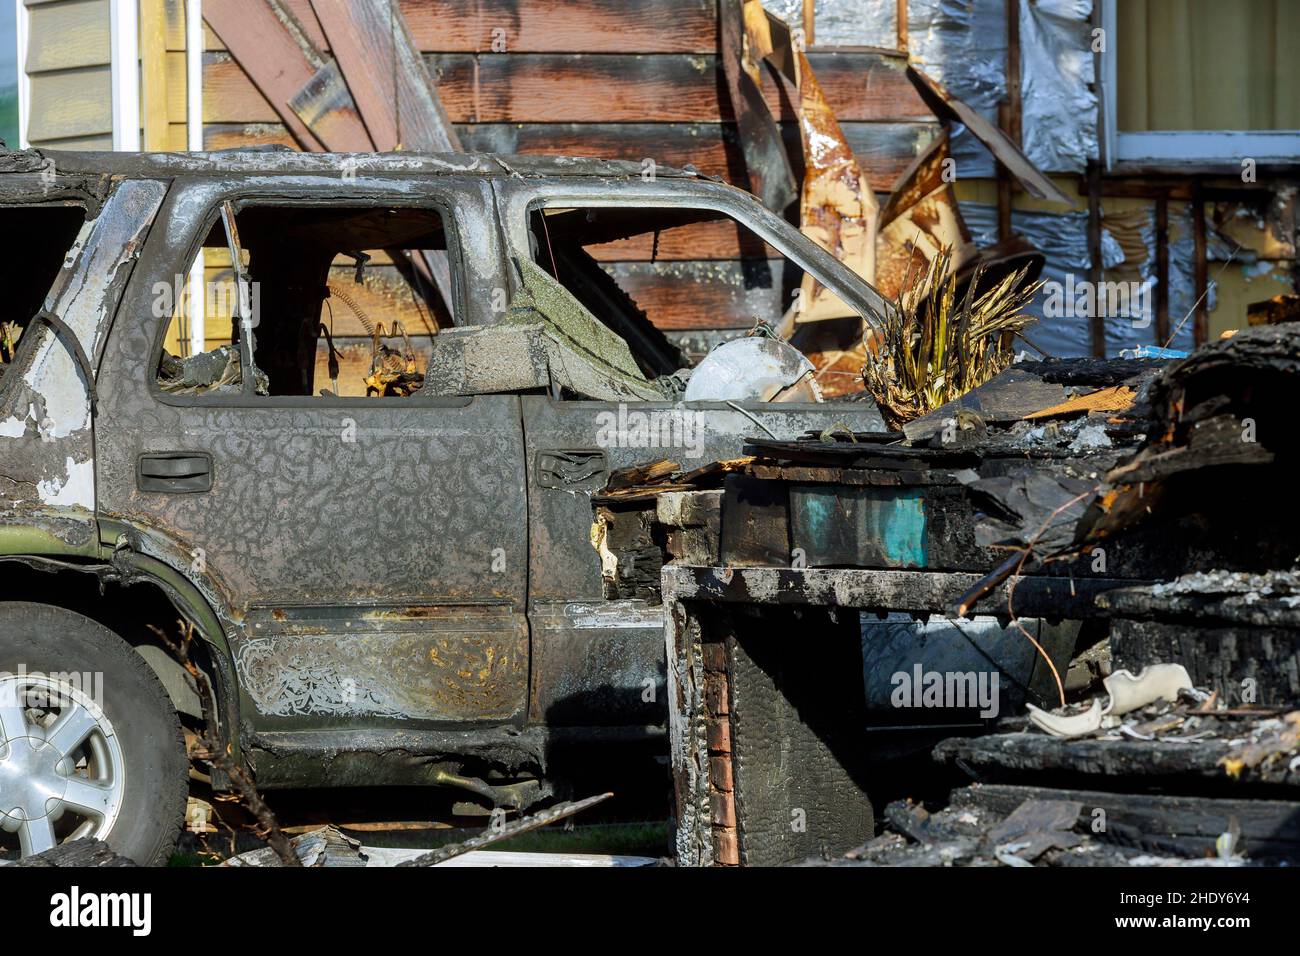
x: 799, y: 784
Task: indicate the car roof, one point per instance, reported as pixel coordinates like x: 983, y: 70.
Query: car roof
x: 263, y: 161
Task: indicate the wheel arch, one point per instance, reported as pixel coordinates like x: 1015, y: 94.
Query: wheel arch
x: 126, y: 595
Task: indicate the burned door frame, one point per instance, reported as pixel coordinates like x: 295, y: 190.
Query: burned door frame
x: 47, y: 402
x: 316, y: 645
x: 517, y: 198
x: 597, y: 657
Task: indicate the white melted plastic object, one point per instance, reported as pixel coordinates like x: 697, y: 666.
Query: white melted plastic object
x: 753, y: 369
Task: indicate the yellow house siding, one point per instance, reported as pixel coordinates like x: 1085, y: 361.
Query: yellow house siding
x: 67, y: 34
x: 70, y: 105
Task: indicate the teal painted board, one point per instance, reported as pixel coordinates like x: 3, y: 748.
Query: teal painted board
x: 837, y: 525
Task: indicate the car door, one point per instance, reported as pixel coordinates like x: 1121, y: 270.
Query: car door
x: 367, y: 555
x: 598, y: 661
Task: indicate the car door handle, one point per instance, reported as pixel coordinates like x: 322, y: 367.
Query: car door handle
x: 572, y: 469
x: 175, y: 472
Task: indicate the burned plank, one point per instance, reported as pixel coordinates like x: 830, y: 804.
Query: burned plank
x: 537, y: 88
x: 755, y: 523
x: 949, y: 107
x: 1264, y: 599
x: 1007, y: 397
x: 325, y: 105
x: 86, y: 852
x: 395, y: 96
x: 767, y: 166
x: 1244, y: 665
x: 272, y: 49
x: 1190, y: 765
x: 800, y: 712
x: 505, y: 831
x: 1161, y: 823
x: 931, y: 591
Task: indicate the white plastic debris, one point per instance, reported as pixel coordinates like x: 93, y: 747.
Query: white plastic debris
x: 1127, y: 693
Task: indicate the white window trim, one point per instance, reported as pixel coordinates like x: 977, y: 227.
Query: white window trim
x: 1181, y: 146
x: 22, y: 27
x: 124, y: 53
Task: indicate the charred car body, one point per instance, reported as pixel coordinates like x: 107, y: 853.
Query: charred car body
x: 391, y: 577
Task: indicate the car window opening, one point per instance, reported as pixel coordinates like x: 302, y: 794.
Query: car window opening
x: 644, y: 271
x: 48, y: 232
x: 342, y: 301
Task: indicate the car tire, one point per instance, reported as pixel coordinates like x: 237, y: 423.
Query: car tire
x: 126, y: 780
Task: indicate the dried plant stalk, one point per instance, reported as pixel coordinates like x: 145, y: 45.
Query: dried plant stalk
x: 930, y: 348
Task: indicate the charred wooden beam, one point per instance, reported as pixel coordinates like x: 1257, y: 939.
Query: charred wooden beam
x: 1201, y: 324
x: 1096, y: 321
x: 1162, y: 271
x: 1160, y: 823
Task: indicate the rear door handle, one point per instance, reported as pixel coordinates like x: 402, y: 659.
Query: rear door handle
x: 579, y: 469
x: 174, y: 472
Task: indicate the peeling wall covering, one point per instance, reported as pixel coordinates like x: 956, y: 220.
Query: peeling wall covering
x: 843, y: 22
x: 1063, y: 239
x: 963, y: 44
x: 1058, y: 107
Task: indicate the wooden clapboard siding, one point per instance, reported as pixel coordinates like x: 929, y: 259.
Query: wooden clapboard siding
x: 674, y: 295
x: 238, y: 135
x: 681, y: 293
x: 709, y: 295
x: 67, y: 63
x: 705, y: 240
x: 544, y: 26
x: 606, y: 88
x: 883, y: 149
x: 384, y: 296
x: 540, y: 88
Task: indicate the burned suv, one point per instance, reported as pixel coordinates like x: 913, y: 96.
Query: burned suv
x: 339, y: 420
